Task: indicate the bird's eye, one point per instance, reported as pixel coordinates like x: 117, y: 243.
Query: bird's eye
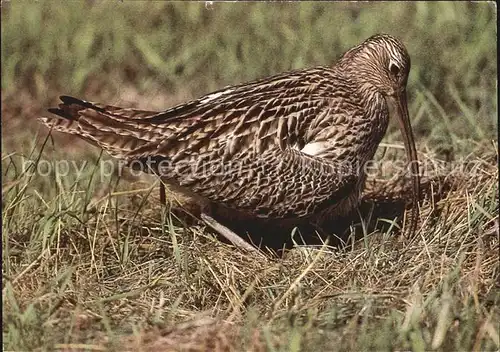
x: 394, y: 68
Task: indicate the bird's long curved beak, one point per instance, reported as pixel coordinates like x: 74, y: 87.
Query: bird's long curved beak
x: 400, y: 108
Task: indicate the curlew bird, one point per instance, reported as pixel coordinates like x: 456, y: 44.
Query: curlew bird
x: 287, y: 147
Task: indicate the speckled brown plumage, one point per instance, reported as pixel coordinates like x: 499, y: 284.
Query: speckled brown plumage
x: 285, y: 147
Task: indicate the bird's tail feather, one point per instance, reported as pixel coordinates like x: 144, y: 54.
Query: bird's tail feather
x: 116, y: 130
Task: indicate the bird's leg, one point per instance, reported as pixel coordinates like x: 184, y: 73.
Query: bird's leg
x: 227, y: 233
x: 163, y: 197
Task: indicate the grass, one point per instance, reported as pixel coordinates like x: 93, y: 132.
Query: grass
x: 93, y: 262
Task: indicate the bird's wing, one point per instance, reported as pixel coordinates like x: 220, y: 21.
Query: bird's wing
x: 265, y: 114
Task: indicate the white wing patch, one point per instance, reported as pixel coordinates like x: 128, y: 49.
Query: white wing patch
x: 314, y: 148
x: 213, y: 96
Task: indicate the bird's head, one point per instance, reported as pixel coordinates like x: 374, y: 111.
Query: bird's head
x: 381, y: 64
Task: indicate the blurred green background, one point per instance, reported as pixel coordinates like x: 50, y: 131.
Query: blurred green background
x: 168, y: 52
